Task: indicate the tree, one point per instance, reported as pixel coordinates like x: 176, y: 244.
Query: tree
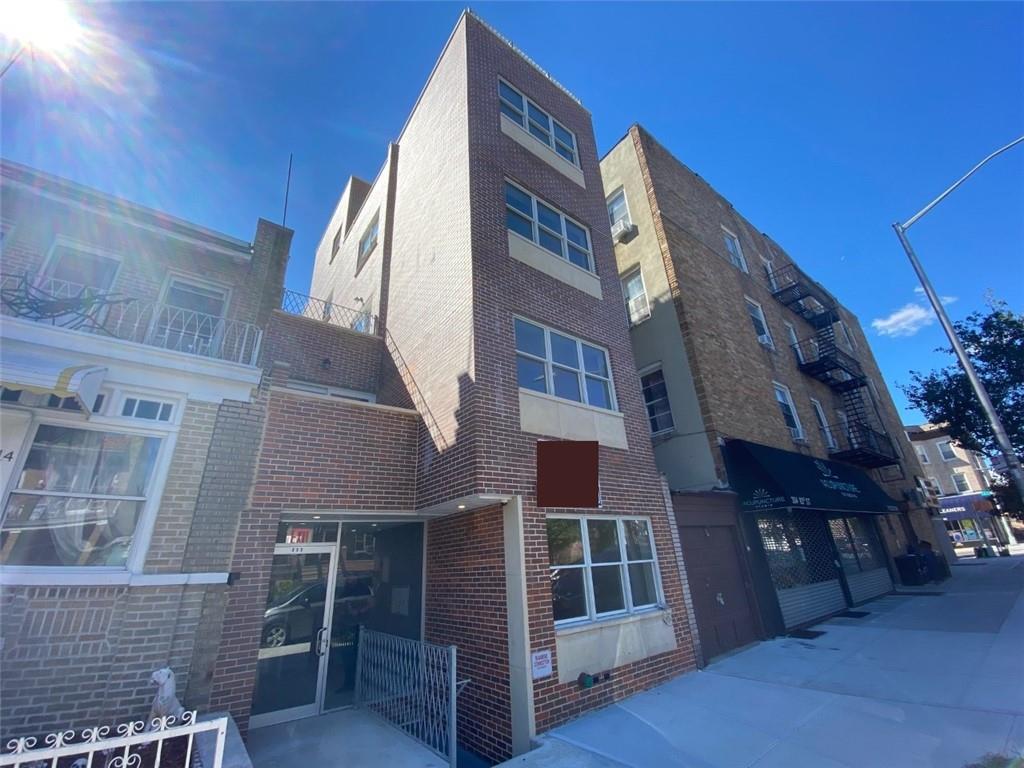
x: 994, y: 340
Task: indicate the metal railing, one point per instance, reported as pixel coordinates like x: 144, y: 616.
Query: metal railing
x: 411, y: 685
x: 826, y: 362
x: 326, y: 311
x: 860, y: 437
x: 90, y: 310
x: 166, y: 742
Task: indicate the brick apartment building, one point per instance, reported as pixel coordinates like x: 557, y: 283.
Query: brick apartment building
x: 127, y: 336
x: 961, y: 479
x: 769, y: 416
x: 364, y: 459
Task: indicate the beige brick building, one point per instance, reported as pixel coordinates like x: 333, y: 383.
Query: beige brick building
x: 744, y: 361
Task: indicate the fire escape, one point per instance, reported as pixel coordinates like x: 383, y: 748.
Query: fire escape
x: 859, y: 438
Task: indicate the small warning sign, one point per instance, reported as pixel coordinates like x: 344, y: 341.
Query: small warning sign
x: 541, y: 664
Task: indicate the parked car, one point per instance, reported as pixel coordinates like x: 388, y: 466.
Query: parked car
x: 297, y: 616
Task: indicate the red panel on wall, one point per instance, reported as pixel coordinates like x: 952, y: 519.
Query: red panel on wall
x: 567, y: 473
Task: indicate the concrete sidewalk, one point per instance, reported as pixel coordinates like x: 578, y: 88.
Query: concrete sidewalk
x: 923, y: 680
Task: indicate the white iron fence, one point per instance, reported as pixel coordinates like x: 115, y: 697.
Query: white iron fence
x: 168, y: 742
x: 156, y: 324
x: 411, y: 685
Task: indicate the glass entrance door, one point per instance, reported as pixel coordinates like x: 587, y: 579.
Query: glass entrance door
x: 294, y: 640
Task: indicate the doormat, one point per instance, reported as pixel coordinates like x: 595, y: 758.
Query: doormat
x: 918, y: 594
x: 855, y: 614
x: 805, y: 634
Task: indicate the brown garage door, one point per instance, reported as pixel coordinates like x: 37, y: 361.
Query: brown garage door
x: 721, y: 602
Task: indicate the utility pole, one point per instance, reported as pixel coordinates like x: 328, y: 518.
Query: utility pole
x: 1013, y: 465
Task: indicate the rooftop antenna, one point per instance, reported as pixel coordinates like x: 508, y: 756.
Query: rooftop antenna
x: 287, y: 187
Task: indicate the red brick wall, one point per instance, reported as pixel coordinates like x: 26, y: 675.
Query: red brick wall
x: 304, y: 344
x: 316, y: 453
x: 465, y: 607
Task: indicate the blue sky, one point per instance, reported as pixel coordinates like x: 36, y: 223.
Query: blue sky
x: 822, y: 123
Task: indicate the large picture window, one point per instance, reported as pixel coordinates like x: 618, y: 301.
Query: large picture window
x: 550, y: 229
x: 79, y: 498
x: 601, y: 567
x: 560, y: 365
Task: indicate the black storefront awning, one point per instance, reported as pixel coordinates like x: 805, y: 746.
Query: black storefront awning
x: 768, y: 478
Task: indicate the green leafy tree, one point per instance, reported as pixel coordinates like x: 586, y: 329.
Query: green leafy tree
x: 994, y: 340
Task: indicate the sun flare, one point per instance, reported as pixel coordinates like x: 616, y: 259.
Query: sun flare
x: 46, y: 26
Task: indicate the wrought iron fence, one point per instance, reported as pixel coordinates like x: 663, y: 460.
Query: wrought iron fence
x: 166, y: 742
x: 411, y: 685
x: 78, y: 307
x: 317, y: 309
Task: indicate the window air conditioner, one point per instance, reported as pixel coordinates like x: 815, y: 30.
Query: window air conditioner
x: 622, y: 230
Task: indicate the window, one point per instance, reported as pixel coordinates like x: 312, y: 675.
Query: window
x: 79, y: 498
x: 69, y: 269
x: 769, y: 273
x: 190, y: 318
x: 785, y: 401
x: 368, y: 241
x: 826, y: 433
x: 152, y: 410
x: 601, y: 567
x: 659, y: 413
x: 617, y: 208
x: 550, y: 229
x: 322, y: 389
x: 336, y: 245
x: 946, y: 451
x: 922, y: 454
x: 760, y: 324
x: 732, y: 247
x: 794, y: 342
x: 537, y: 122
x: 851, y: 345
x: 961, y: 482
x: 935, y: 483
x: 551, y: 362
x: 857, y: 543
x: 635, y: 294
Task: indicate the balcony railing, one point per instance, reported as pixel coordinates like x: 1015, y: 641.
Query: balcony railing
x: 829, y: 364
x: 89, y: 310
x: 317, y: 309
x: 795, y: 289
x: 861, y: 444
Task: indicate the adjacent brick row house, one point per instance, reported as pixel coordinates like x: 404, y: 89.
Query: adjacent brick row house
x: 792, y: 480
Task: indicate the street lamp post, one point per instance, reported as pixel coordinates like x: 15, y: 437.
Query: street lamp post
x: 1013, y: 465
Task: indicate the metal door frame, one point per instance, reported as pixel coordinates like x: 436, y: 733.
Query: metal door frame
x: 316, y: 707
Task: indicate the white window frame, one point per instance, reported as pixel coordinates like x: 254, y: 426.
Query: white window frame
x: 525, y: 119
x: 549, y: 365
x: 668, y: 401
x: 765, y: 339
x: 769, y: 273
x: 937, y: 484
x: 342, y: 393
x: 922, y: 454
x: 623, y: 565
x: 80, y: 245
x: 188, y: 278
x: 797, y: 432
x: 729, y: 236
x: 139, y: 549
x: 628, y: 218
x: 562, y: 236
x: 794, y: 342
x: 824, y: 428
x: 963, y: 476
x: 646, y: 312
x: 942, y: 454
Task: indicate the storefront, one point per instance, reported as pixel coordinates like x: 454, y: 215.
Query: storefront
x: 812, y: 527
x: 969, y: 521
